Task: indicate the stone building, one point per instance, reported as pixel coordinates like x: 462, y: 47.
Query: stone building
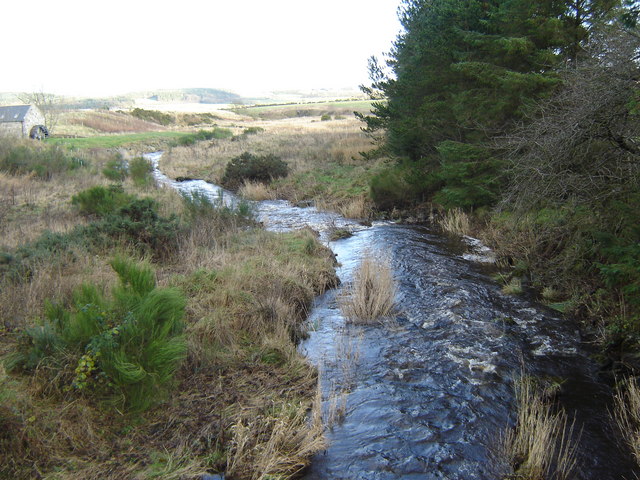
x: 22, y: 121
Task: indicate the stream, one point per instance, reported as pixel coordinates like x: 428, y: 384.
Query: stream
x: 428, y: 395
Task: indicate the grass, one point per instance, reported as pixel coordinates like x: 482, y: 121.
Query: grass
x: 318, y: 109
x: 371, y: 295
x: 256, y: 191
x: 627, y: 414
x: 455, y: 222
x: 542, y: 444
x: 325, y: 165
x: 242, y: 390
x: 117, y: 140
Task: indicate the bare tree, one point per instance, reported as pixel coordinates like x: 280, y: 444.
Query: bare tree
x: 49, y: 105
x: 583, y: 145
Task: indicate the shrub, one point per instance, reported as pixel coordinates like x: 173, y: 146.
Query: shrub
x: 127, y: 346
x: 398, y: 186
x: 139, y: 222
x: 257, y: 168
x: 215, y: 134
x: 153, y: 116
x: 325, y: 117
x: 126, y: 219
x: 18, y: 159
x: 100, y: 200
x: 116, y: 170
x: 140, y: 169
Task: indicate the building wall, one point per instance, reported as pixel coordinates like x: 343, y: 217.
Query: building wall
x: 33, y: 117
x: 11, y: 129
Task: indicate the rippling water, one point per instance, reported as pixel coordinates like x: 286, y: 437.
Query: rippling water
x: 428, y: 396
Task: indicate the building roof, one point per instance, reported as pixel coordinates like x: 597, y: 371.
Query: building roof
x: 15, y: 113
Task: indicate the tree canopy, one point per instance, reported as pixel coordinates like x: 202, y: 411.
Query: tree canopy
x: 464, y: 73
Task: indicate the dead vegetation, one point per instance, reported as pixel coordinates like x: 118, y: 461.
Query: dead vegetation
x: 542, y: 445
x: 455, y: 221
x: 627, y: 414
x: 105, y: 122
x: 371, y: 295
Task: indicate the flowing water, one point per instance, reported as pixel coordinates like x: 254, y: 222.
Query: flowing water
x: 428, y: 395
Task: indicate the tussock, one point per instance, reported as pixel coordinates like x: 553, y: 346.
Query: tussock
x: 371, y: 295
x: 279, y: 445
x: 542, y: 444
x: 627, y: 414
x: 455, y: 222
x: 256, y: 191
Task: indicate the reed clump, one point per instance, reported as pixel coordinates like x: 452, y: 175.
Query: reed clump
x: 455, y: 221
x: 256, y: 191
x: 627, y: 414
x: 542, y: 445
x: 370, y: 297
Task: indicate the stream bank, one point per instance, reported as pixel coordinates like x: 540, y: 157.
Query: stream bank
x: 428, y: 396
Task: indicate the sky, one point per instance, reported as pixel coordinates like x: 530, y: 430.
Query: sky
x: 96, y: 48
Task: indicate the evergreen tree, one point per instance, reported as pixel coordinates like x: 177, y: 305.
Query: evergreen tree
x: 465, y: 72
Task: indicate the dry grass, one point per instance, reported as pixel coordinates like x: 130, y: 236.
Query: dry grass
x: 456, y: 222
x: 542, y: 446
x: 248, y: 293
x: 256, y: 191
x: 627, y: 414
x: 513, y: 287
x: 313, y: 151
x: 371, y: 295
x: 357, y: 208
x: 277, y: 446
x: 104, y: 122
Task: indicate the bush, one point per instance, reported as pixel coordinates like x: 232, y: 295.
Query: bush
x: 127, y: 346
x: 116, y: 170
x: 398, y: 186
x: 138, y: 222
x: 200, y: 135
x: 140, y: 169
x: 153, y: 116
x: 123, y: 218
x: 100, y: 200
x: 18, y: 159
x: 257, y: 168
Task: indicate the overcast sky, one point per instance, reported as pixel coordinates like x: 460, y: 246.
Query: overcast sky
x: 89, y: 47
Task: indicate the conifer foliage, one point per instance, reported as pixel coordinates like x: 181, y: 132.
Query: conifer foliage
x: 464, y: 73
x: 124, y: 347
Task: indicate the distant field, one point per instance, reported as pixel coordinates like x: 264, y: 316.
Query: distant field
x: 305, y: 109
x: 112, y: 141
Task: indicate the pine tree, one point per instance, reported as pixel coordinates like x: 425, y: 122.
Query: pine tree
x: 464, y: 73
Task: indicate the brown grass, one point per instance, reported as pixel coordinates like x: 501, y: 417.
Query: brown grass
x: 456, y: 222
x: 248, y: 294
x: 256, y: 191
x: 371, y: 295
x: 107, y: 122
x: 627, y: 414
x: 541, y: 446
x: 280, y: 445
x: 310, y: 149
